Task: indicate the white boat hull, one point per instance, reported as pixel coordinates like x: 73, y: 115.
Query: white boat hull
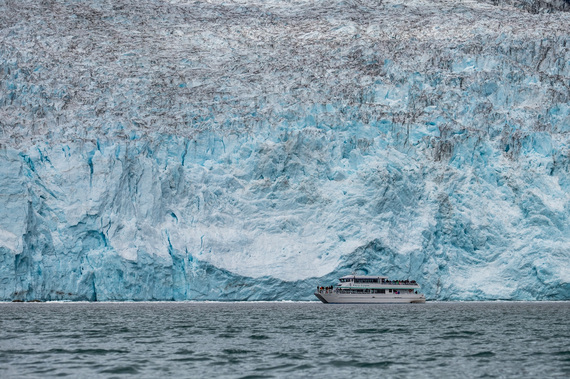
x: 369, y: 298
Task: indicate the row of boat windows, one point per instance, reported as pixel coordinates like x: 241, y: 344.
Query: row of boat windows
x: 367, y: 291
x: 378, y: 281
x: 372, y: 291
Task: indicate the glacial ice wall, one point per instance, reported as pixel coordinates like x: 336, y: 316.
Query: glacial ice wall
x: 233, y: 150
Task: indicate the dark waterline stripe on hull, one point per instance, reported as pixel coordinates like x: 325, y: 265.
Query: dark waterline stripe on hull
x: 321, y: 298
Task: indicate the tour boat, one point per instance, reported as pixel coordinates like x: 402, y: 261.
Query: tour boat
x: 357, y: 289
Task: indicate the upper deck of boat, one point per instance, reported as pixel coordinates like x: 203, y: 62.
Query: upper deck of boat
x: 347, y: 278
x: 361, y: 281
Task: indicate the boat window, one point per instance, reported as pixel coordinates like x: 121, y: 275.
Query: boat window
x: 365, y: 280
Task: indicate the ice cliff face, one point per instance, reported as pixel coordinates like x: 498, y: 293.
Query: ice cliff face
x: 252, y: 149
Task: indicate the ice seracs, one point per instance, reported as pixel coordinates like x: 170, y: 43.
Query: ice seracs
x: 250, y: 150
x: 356, y: 289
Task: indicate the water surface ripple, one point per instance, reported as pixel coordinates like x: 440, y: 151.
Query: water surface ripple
x: 237, y: 340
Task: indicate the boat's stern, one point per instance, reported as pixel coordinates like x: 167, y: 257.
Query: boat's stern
x: 420, y: 300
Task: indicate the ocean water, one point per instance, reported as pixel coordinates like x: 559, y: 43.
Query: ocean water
x: 234, y: 340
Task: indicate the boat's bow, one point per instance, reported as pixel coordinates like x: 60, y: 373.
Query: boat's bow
x: 320, y: 297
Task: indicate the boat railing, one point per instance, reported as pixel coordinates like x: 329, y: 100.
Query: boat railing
x: 391, y: 283
x: 349, y: 290
x: 400, y: 282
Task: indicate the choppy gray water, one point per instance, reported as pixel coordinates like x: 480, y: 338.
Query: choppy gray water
x: 284, y: 339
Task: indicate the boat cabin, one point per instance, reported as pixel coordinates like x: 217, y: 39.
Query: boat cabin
x: 363, y: 279
x: 377, y: 282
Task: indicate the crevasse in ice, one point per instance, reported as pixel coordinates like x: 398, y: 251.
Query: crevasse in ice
x: 233, y: 150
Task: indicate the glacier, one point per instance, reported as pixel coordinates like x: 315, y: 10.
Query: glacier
x: 252, y: 149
